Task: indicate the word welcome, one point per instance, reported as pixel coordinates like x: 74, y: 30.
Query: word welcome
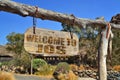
x: 50, y: 44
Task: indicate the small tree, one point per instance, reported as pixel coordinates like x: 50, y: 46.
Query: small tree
x: 15, y: 42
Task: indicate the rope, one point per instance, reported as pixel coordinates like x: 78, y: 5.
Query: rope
x: 71, y: 34
x: 35, y: 20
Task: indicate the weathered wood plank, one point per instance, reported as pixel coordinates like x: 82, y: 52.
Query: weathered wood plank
x: 51, y: 43
x: 27, y: 10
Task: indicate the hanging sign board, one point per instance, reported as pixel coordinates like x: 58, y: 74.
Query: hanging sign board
x: 50, y: 43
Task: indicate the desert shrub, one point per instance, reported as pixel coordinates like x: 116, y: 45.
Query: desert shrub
x: 47, y: 70
x: 39, y: 64
x: 69, y: 76
x: 61, y: 76
x: 7, y: 63
x: 73, y: 67
x: 63, y: 71
x: 6, y: 76
x: 116, y: 68
x: 42, y: 68
x: 23, y: 61
x: 62, y: 67
x: 81, y: 67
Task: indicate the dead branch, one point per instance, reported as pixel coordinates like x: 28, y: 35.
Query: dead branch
x: 27, y: 10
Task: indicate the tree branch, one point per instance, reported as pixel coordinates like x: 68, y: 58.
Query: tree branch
x: 27, y: 10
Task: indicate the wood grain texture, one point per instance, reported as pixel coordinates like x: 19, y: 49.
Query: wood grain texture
x: 27, y: 10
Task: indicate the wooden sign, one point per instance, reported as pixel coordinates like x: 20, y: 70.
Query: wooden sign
x: 50, y: 43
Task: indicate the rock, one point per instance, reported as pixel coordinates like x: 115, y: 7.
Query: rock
x: 113, y: 75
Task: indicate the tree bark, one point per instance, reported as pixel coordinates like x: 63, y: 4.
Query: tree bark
x: 27, y: 10
x: 102, y: 56
x: 102, y: 52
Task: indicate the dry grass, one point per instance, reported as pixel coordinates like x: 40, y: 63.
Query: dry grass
x: 81, y: 67
x: 72, y: 76
x: 6, y: 76
x: 116, y: 68
x: 73, y: 67
x: 61, y: 76
x: 69, y: 76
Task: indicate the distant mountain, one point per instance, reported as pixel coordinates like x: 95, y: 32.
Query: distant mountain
x: 4, y: 52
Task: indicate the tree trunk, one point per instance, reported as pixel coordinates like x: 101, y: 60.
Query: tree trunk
x: 26, y: 10
x: 102, y: 52
x: 102, y: 56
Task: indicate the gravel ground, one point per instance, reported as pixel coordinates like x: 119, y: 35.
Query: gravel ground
x: 86, y: 79
x: 24, y: 77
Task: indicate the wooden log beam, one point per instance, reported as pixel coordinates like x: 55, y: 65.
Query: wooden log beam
x: 27, y: 10
x: 102, y: 54
x: 104, y: 45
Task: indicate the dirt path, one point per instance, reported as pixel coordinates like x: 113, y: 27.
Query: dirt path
x: 86, y: 79
x: 25, y: 77
x: 30, y: 77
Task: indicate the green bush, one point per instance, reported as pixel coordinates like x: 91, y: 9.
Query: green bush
x: 46, y: 70
x: 42, y: 68
x: 23, y: 61
x: 63, y: 72
x: 62, y: 67
x: 39, y: 63
x: 6, y: 63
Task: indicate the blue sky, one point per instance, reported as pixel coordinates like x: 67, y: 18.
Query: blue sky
x: 80, y: 8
